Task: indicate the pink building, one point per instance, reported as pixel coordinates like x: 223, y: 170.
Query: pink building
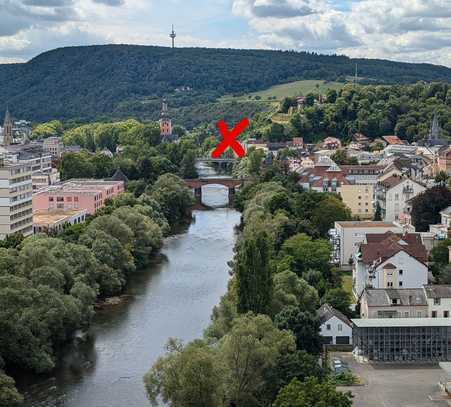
x: 89, y: 194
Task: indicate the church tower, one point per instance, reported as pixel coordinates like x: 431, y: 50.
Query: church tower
x: 165, y: 122
x: 7, y: 129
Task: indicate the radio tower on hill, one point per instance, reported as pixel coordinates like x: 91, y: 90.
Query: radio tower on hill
x: 172, y: 35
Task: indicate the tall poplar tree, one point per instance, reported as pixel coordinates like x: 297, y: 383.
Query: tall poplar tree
x: 254, y: 274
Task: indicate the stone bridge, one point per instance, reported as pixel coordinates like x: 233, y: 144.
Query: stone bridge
x: 197, y: 184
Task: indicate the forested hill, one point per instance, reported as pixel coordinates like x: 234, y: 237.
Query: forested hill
x: 116, y: 81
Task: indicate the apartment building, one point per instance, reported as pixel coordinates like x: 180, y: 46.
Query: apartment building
x: 393, y: 194
x: 347, y: 236
x: 439, y: 300
x: 89, y: 194
x: 390, y: 260
x: 53, y: 146
x: 16, y: 207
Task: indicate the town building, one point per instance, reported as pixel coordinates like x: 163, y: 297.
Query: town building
x: 336, y: 328
x: 440, y: 230
x: 393, y: 193
x: 359, y: 199
x: 54, y: 221
x: 439, y: 301
x: 393, y: 303
x: 16, y: 208
x: 444, y: 160
x: 331, y: 143
x: 89, y: 194
x: 390, y: 260
x: 347, y: 236
x: 42, y: 179
x: 402, y: 340
x: 165, y: 123
x: 53, y: 146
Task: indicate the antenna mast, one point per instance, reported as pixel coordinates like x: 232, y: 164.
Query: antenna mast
x: 172, y: 35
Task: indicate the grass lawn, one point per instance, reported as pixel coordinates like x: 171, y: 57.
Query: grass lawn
x: 291, y: 89
x: 346, y: 283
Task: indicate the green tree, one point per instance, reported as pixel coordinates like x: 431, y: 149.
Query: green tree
x: 378, y: 213
x: 9, y: 396
x: 298, y: 364
x: 328, y: 211
x: 312, y: 393
x: 254, y: 273
x: 426, y: 207
x: 305, y: 327
x: 306, y: 253
x: 173, y: 196
x: 339, y: 299
x: 187, y: 376
x: 251, y: 347
x: 289, y: 289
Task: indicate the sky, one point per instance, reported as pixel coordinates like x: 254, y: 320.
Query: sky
x: 402, y: 30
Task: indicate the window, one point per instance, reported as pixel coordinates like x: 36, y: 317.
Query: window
x: 400, y: 283
x: 340, y: 327
x: 60, y: 199
x: 406, y: 314
x: 400, y: 272
x: 50, y: 198
x: 328, y: 327
x: 434, y: 314
x: 75, y: 198
x: 419, y: 314
x: 445, y: 314
x: 69, y: 199
x: 436, y: 301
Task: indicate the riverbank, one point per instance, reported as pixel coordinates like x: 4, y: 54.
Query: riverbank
x: 172, y: 298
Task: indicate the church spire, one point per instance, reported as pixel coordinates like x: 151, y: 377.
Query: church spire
x: 435, y: 130
x: 7, y: 129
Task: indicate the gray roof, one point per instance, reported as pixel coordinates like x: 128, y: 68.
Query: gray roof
x: 400, y: 322
x: 326, y: 312
x: 438, y: 291
x: 383, y: 297
x: 446, y: 211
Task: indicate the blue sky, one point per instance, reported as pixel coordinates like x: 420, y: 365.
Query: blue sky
x: 405, y: 30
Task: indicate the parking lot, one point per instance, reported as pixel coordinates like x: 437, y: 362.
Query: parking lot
x: 394, y: 385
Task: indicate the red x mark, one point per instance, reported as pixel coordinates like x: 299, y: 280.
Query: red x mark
x: 229, y: 138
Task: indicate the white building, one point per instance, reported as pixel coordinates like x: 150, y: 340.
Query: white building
x: 348, y: 235
x: 336, y: 328
x: 392, y: 195
x: 390, y: 260
x: 16, y: 206
x: 439, y: 300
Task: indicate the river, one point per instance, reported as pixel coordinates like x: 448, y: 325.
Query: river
x: 172, y: 298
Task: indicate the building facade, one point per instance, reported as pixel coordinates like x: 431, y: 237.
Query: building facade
x: 347, y: 236
x: 392, y: 195
x: 393, y: 303
x: 16, y: 207
x: 336, y: 328
x: 359, y: 199
x: 402, y: 340
x: 390, y: 261
x: 439, y: 301
x: 86, y: 194
x: 54, y: 222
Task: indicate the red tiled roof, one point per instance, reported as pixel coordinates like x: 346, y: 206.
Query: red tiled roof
x: 317, y: 174
x: 392, y: 140
x: 385, y: 245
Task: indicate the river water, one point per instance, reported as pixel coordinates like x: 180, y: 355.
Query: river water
x: 173, y: 298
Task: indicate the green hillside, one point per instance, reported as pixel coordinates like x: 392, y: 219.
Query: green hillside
x: 296, y: 88
x: 118, y: 81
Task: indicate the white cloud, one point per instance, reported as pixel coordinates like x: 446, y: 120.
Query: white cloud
x: 407, y: 30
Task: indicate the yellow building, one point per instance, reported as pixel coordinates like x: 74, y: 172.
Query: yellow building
x: 359, y: 198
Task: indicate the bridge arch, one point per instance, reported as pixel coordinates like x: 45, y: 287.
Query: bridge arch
x: 196, y: 185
